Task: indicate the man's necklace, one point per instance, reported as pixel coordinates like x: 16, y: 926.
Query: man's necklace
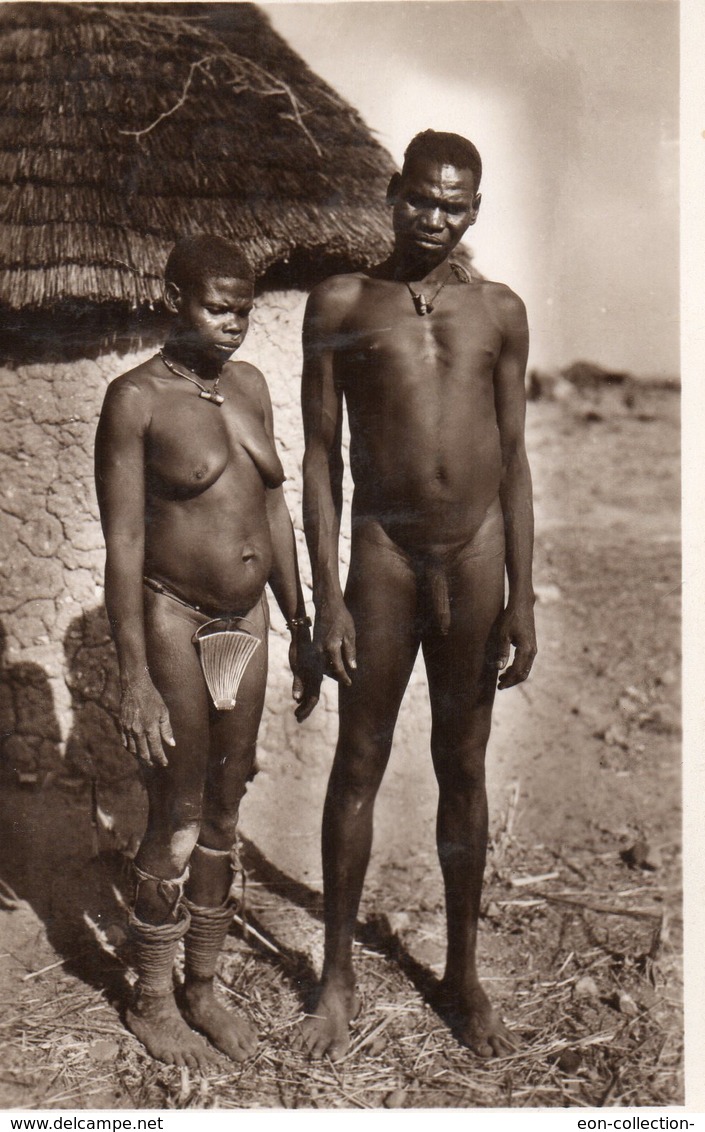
x: 424, y: 305
x: 207, y: 394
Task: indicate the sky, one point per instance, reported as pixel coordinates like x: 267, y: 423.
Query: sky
x: 573, y: 105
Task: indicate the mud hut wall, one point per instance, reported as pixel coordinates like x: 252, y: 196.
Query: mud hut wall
x: 59, y: 688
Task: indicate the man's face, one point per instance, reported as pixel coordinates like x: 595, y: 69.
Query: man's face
x: 214, y: 315
x: 433, y: 205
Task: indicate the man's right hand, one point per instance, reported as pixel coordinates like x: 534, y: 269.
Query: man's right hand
x: 334, y: 637
x: 144, y: 722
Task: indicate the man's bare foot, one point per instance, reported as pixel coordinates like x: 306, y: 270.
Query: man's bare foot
x: 161, y: 1029
x: 227, y: 1030
x: 326, y: 1031
x: 475, y: 1022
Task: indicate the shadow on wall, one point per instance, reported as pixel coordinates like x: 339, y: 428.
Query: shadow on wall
x: 95, y: 762
x: 94, y: 749
x: 29, y: 730
x: 50, y: 852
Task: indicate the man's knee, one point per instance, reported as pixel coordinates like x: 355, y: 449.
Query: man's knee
x: 360, y: 761
x: 460, y: 766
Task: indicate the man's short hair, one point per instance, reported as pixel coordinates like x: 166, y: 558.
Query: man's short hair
x: 446, y: 149
x: 194, y: 259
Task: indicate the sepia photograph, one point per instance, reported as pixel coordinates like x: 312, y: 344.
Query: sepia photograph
x: 341, y: 754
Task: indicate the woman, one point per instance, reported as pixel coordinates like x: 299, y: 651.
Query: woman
x: 195, y: 523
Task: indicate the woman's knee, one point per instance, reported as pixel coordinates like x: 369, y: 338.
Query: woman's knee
x: 166, y: 849
x: 219, y: 830
x: 174, y: 817
x: 225, y: 788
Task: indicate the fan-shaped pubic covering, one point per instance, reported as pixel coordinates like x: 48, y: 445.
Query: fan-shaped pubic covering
x: 123, y: 126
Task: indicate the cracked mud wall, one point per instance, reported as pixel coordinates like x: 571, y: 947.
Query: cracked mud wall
x: 58, y: 691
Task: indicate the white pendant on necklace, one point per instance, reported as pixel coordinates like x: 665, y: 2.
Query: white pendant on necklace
x: 212, y: 395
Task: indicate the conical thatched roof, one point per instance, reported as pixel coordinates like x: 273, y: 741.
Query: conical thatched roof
x: 123, y: 126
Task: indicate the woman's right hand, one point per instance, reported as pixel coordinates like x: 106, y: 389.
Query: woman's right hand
x: 144, y: 722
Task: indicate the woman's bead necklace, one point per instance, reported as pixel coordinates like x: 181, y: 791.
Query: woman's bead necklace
x: 207, y: 394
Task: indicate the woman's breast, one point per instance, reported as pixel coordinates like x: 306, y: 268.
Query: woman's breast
x: 185, y: 461
x: 189, y: 449
x: 189, y: 457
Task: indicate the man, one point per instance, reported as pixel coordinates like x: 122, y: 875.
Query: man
x: 431, y: 366
x: 195, y: 523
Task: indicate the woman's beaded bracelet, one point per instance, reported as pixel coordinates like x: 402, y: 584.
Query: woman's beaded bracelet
x: 298, y: 623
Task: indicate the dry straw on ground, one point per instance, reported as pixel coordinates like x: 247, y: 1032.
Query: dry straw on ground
x: 584, y: 968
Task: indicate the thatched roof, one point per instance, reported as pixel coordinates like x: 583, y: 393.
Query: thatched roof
x: 123, y: 126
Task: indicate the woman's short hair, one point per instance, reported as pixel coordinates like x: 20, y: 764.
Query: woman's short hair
x: 194, y: 259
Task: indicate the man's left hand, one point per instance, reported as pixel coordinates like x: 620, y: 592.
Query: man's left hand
x: 516, y: 627
x: 306, y: 666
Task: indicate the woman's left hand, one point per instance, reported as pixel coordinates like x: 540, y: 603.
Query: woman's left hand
x: 306, y: 665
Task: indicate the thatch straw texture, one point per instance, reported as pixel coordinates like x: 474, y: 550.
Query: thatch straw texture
x: 123, y: 126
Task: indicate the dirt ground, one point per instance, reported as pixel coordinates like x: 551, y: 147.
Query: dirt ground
x: 581, y: 927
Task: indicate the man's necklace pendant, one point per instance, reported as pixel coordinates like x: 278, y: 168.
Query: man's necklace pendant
x: 422, y: 305
x: 211, y: 395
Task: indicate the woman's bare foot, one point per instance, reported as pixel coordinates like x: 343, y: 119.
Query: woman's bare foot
x: 475, y: 1022
x: 326, y: 1031
x: 227, y: 1030
x: 158, y: 1024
